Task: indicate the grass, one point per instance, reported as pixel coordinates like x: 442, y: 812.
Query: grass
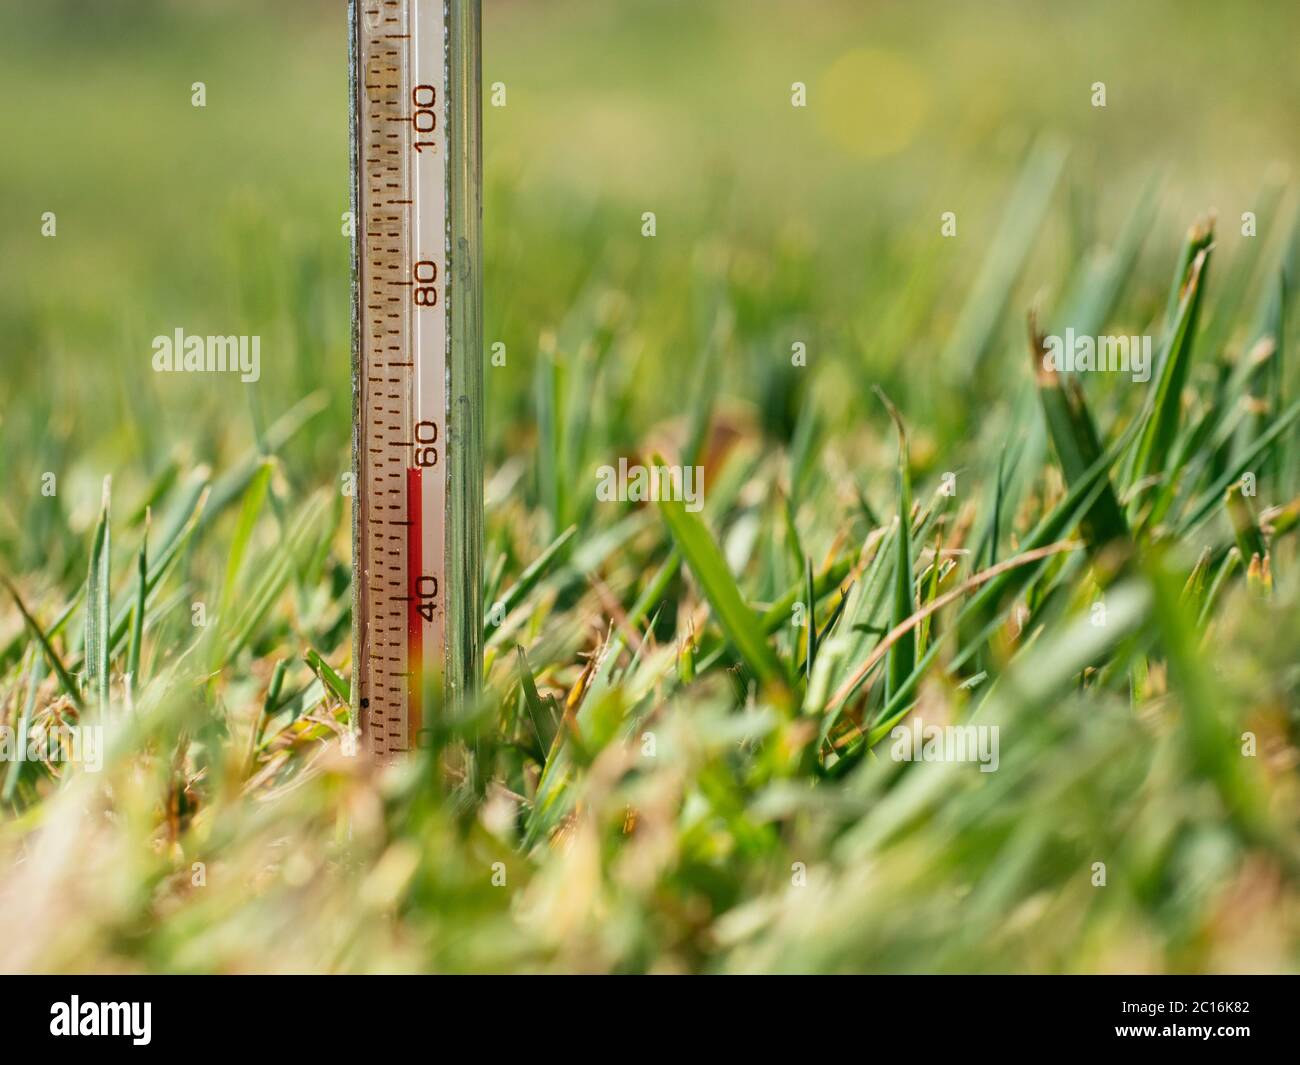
x: 682, y: 757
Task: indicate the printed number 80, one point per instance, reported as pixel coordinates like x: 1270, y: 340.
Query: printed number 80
x: 425, y: 275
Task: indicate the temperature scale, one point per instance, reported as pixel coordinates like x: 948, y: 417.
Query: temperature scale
x: 417, y: 367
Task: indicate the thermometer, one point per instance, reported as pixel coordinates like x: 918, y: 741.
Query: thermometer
x: 417, y: 367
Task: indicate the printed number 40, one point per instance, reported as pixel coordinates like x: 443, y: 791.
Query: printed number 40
x: 426, y: 591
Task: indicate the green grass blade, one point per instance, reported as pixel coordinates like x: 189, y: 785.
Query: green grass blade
x: 141, y: 597
x: 1165, y: 411
x: 1213, y: 496
x: 97, y: 606
x: 1074, y: 437
x: 1210, y: 741
x: 1095, y: 298
x: 901, y: 660
x: 810, y: 620
x: 741, y: 628
x: 254, y: 496
x: 532, y: 575
x: 15, y: 768
x: 981, y: 313
x: 544, y: 726
x: 51, y: 655
x: 329, y: 676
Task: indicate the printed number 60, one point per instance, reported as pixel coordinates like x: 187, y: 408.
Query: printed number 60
x: 426, y: 434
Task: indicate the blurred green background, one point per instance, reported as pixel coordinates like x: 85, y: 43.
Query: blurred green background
x: 825, y: 219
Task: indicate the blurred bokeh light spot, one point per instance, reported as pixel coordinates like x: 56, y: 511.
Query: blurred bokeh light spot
x: 871, y: 102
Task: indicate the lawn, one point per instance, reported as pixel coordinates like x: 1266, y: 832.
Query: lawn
x: 687, y: 753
